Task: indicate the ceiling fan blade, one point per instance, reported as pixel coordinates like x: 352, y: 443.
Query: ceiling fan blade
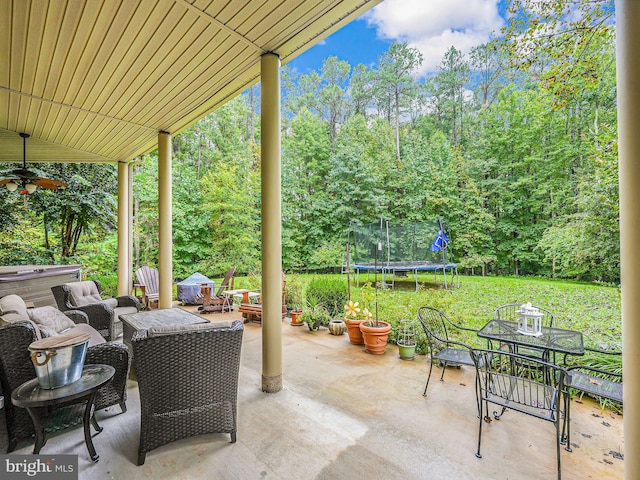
x: 24, y: 173
x: 7, y: 180
x: 48, y: 183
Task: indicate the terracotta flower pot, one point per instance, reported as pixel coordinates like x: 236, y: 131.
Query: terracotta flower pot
x: 353, y: 330
x: 295, y: 321
x: 375, y: 337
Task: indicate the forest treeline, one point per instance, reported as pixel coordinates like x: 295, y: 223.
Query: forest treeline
x: 514, y: 145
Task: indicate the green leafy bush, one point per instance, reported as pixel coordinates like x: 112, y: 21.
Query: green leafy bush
x: 108, y: 282
x: 315, y: 317
x: 294, y: 292
x: 328, y: 292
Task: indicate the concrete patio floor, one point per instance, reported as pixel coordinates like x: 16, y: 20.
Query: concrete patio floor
x: 345, y: 414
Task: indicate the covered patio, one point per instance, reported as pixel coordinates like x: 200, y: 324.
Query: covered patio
x: 111, y: 81
x: 346, y: 414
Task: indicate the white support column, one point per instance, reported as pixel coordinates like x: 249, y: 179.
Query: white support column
x: 271, y: 224
x: 165, y: 226
x: 628, y: 71
x: 124, y: 259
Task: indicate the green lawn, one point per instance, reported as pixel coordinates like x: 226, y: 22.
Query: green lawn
x: 590, y: 308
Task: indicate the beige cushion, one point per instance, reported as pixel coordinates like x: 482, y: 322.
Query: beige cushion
x: 112, y: 302
x: 117, y: 312
x: 12, y: 310
x: 50, y: 318
x: 83, y: 293
x: 191, y: 327
x: 12, y: 304
x: 94, y: 337
x: 12, y: 317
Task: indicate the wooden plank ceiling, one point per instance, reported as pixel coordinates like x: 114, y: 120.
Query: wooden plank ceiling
x: 95, y: 81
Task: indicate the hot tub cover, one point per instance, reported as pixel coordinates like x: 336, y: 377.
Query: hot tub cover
x: 189, y: 289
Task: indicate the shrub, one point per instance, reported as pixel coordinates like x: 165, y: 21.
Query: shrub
x: 294, y: 298
x: 330, y: 293
x: 315, y: 317
x: 108, y: 282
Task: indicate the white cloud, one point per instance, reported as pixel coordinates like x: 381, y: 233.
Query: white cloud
x: 433, y: 26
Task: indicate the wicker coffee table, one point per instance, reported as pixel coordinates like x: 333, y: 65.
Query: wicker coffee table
x: 132, y: 322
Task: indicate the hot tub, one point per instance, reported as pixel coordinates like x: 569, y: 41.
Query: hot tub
x: 33, y: 282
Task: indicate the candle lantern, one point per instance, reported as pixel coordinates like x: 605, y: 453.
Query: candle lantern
x: 529, y: 320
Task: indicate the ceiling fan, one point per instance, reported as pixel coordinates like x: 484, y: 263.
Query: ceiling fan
x: 28, y: 180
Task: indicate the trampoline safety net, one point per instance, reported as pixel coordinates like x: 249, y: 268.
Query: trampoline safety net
x: 400, y: 248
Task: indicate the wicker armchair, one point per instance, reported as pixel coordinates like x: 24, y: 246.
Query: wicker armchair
x: 16, y: 368
x: 188, y: 381
x: 103, y: 313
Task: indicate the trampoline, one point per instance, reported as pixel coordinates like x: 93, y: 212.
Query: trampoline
x: 399, y: 249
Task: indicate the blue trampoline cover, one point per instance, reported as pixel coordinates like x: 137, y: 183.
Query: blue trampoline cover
x: 189, y: 288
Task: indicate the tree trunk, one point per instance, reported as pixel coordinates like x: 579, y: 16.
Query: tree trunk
x: 397, y: 126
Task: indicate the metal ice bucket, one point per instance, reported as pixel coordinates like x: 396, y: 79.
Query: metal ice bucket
x: 59, y: 360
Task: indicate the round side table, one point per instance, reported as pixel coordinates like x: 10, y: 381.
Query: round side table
x: 29, y: 395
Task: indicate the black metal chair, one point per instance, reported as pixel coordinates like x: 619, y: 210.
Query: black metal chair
x: 441, y: 346
x: 598, y: 379
x: 502, y: 381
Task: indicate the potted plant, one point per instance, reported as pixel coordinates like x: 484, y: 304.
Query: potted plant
x: 315, y: 317
x: 375, y: 333
x: 296, y: 313
x: 407, y: 340
x: 295, y: 299
x: 353, y: 317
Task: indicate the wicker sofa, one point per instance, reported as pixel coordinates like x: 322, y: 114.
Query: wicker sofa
x: 17, y: 331
x: 188, y: 381
x: 103, y: 313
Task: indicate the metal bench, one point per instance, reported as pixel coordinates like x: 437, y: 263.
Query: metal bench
x: 596, y: 381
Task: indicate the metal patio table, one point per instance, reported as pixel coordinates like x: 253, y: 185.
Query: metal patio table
x: 552, y: 340
x: 30, y: 395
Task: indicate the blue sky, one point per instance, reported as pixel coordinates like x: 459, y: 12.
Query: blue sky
x: 431, y: 26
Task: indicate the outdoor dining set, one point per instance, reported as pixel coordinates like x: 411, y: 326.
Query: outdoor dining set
x: 529, y: 365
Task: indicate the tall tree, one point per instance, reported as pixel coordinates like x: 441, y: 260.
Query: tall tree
x: 305, y: 166
x: 395, y: 86
x: 561, y: 40
x: 335, y: 75
x: 361, y: 89
x: 487, y: 63
x: 87, y: 205
x: 448, y: 91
